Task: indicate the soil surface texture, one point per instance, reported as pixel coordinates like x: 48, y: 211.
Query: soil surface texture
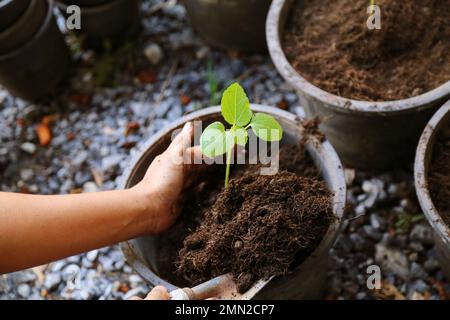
x: 331, y: 46
x: 260, y: 225
x: 440, y: 175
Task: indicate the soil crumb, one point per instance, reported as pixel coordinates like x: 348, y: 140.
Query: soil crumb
x: 260, y: 225
x: 330, y: 45
x: 439, y: 176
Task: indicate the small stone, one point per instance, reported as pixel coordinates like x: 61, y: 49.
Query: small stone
x: 138, y: 291
x: 92, y: 255
x: 24, y: 290
x: 419, y: 286
x: 28, y: 147
x: 431, y: 265
x: 89, y: 187
x: 392, y: 260
x: 111, y: 162
x: 422, y: 233
x: 52, y: 280
x: 80, y: 158
x: 154, y: 53
x: 26, y: 174
x: 417, y: 272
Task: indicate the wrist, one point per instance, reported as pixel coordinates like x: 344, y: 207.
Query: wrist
x: 143, y: 211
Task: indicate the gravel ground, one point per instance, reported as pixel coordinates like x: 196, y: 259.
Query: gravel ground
x: 117, y: 99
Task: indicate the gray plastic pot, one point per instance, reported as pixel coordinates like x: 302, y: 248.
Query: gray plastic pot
x: 230, y: 24
x: 368, y: 135
x: 10, y: 11
x: 115, y: 19
x: 421, y: 168
x: 24, y: 28
x: 308, y: 280
x: 37, y: 67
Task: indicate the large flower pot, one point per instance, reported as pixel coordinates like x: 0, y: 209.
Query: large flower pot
x: 308, y: 280
x: 421, y: 173
x: 36, y: 67
x: 10, y: 11
x: 114, y: 19
x: 369, y: 135
x: 230, y: 24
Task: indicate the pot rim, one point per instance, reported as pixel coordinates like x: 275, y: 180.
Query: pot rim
x: 423, y: 157
x: 100, y: 8
x: 37, y: 35
x: 284, y: 67
x: 324, y: 149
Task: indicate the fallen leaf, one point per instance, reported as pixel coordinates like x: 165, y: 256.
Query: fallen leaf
x: 128, y: 144
x: 146, y: 76
x: 124, y: 288
x: 440, y: 289
x: 81, y: 99
x: 282, y: 104
x: 184, y: 99
x: 388, y: 292
x: 131, y: 127
x: 70, y: 136
x: 44, y: 134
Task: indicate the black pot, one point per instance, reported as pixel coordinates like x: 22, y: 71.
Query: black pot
x: 113, y: 19
x: 10, y: 11
x: 37, y: 67
x: 230, y: 24
x: 23, y: 29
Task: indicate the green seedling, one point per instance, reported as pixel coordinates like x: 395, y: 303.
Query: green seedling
x: 235, y: 108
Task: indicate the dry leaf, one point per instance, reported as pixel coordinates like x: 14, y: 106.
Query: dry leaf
x: 44, y: 134
x: 388, y: 292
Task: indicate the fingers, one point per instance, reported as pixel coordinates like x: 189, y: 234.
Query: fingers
x: 181, y: 142
x: 158, y: 293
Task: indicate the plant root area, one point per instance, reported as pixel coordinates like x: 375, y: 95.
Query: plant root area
x: 259, y: 226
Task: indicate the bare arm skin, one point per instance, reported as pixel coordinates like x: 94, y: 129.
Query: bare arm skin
x: 37, y: 229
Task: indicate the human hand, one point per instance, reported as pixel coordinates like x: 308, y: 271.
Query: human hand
x: 166, y: 178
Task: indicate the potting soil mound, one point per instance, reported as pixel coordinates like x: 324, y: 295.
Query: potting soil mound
x: 439, y: 175
x: 330, y: 45
x: 260, y: 225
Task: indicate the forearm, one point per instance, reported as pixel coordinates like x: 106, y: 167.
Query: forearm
x: 38, y: 229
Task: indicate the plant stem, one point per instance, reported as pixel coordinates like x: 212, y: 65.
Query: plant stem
x: 227, y: 173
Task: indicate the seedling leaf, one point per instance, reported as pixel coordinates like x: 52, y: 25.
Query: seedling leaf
x: 266, y: 127
x: 213, y: 141
x: 236, y: 106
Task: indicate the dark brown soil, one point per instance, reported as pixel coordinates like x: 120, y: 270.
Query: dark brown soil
x: 329, y: 44
x: 439, y: 175
x: 260, y: 225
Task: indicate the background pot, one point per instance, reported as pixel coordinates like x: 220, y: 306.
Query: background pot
x: 111, y: 19
x: 24, y: 28
x: 370, y: 135
x: 84, y: 3
x: 35, y: 69
x: 230, y: 24
x: 10, y: 11
x: 421, y: 168
x: 309, y: 279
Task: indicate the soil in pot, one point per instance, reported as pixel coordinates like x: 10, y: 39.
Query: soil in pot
x: 258, y: 227
x: 331, y: 46
x: 439, y: 175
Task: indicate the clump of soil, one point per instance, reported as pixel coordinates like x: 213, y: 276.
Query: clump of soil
x: 439, y: 176
x: 329, y: 44
x: 260, y: 225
